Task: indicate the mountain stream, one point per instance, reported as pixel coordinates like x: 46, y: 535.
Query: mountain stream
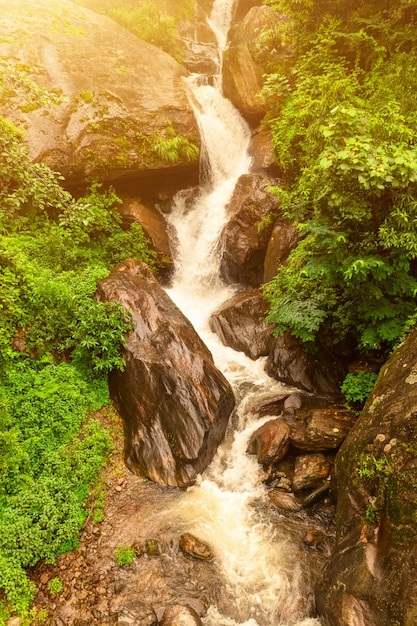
x: 257, y: 549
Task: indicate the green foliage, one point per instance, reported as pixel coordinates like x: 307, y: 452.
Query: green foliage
x: 55, y: 586
x: 357, y: 387
x: 57, y: 344
x: 98, y: 332
x: 371, y: 467
x: 370, y: 514
x: 17, y: 85
x: 124, y: 555
x: 29, y: 191
x: 344, y: 131
x: 174, y: 147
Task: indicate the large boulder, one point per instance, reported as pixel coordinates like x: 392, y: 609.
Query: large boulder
x: 248, y: 58
x: 174, y: 402
x: 243, y: 6
x: 321, y: 373
x: 252, y: 213
x: 240, y: 323
x: 323, y: 429
x: 371, y: 577
x: 92, y: 98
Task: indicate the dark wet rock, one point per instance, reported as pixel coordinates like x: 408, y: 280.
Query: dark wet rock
x: 315, y: 537
x: 105, y: 95
x: 284, y: 501
x: 270, y: 442
x: 199, y: 58
x: 240, y: 323
x: 370, y: 579
x: 318, y: 494
x: 179, y: 615
x: 154, y: 226
x: 310, y: 471
x: 289, y: 405
x: 262, y: 152
x: 193, y: 548
x: 153, y: 547
x: 324, y: 429
x: 283, y: 240
x: 270, y: 406
x: 321, y: 373
x: 252, y: 213
x: 174, y: 402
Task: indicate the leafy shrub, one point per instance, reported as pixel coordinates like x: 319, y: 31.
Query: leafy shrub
x: 124, y: 555
x: 357, y: 387
x: 55, y: 586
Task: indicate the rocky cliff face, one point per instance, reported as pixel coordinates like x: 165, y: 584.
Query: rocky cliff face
x: 370, y: 580
x: 93, y: 99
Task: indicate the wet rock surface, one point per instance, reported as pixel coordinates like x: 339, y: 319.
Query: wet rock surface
x: 174, y: 401
x: 252, y: 212
x: 270, y: 442
x: 321, y: 373
x: 179, y: 615
x: 244, y: 62
x: 193, y: 548
x: 283, y: 240
x: 370, y: 579
x: 155, y: 227
x: 240, y: 323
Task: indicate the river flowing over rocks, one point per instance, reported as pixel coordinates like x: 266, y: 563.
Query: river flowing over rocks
x: 222, y: 496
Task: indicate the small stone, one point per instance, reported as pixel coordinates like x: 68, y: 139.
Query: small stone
x: 118, y: 587
x: 285, y: 501
x: 194, y: 548
x: 153, y: 547
x: 118, y: 488
x: 315, y: 537
x: 180, y: 615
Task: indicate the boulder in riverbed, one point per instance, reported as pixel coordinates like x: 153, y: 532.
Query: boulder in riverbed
x: 270, y: 442
x: 240, y: 323
x: 174, y: 402
x: 252, y: 212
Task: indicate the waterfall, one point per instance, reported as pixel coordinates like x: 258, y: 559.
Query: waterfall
x: 226, y: 508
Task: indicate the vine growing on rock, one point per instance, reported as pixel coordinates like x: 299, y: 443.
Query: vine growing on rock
x: 344, y: 131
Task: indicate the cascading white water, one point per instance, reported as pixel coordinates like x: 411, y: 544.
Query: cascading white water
x: 257, y: 556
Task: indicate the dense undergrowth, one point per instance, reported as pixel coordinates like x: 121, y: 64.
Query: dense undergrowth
x: 344, y: 124
x: 57, y: 345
